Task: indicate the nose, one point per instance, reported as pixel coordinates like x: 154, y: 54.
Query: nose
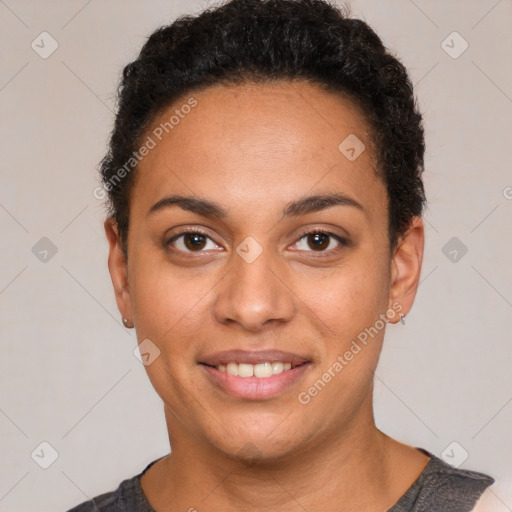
x: 255, y: 294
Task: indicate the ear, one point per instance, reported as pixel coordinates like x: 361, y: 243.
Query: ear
x: 406, y: 267
x: 118, y: 268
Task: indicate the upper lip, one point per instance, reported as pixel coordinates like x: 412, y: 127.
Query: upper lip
x: 252, y: 357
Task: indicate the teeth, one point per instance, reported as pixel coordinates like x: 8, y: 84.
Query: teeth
x: 245, y: 370
x: 266, y: 369
x: 263, y: 370
x: 232, y: 369
x: 277, y: 368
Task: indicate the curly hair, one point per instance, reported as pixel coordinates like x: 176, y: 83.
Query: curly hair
x: 264, y: 41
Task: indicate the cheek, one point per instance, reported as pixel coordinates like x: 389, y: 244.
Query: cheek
x: 348, y: 298
x: 348, y: 306
x: 165, y: 298
x: 166, y: 305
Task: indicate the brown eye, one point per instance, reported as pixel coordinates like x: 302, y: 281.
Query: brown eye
x: 194, y: 241
x: 191, y: 241
x: 318, y: 241
x: 321, y: 241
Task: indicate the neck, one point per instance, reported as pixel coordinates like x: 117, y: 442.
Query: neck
x: 352, y: 471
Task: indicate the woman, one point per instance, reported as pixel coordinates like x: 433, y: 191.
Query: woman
x: 264, y: 177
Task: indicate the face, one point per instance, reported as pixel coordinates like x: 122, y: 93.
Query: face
x: 271, y: 282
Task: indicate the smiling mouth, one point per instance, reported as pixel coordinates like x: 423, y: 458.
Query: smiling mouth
x: 254, y: 375
x: 260, y: 370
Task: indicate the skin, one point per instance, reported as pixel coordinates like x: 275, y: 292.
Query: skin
x: 252, y: 149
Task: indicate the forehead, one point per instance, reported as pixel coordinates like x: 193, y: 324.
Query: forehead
x: 262, y: 142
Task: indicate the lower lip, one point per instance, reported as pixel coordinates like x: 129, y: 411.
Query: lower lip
x: 256, y: 388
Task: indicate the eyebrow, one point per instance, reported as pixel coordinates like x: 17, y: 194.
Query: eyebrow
x: 303, y: 206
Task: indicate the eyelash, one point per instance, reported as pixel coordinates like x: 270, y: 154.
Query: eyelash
x: 343, y: 241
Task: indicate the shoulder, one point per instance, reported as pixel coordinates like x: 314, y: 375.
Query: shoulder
x: 105, y: 503
x: 442, y: 487
x: 128, y: 497
x: 453, y: 481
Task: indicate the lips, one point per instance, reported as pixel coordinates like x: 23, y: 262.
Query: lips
x: 254, y: 375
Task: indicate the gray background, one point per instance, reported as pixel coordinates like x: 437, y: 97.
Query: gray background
x: 68, y: 373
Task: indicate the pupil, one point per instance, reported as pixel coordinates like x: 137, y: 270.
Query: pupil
x: 323, y: 238
x: 194, y: 241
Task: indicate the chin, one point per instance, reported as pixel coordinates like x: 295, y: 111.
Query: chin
x: 258, y: 451
x: 255, y: 440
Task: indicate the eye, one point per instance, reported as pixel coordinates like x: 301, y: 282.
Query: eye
x: 194, y: 240
x: 321, y: 241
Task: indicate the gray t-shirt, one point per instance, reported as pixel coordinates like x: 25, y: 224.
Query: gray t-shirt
x: 439, y: 488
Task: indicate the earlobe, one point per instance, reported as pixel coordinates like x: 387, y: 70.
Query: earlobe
x: 118, y: 268
x: 406, y: 266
